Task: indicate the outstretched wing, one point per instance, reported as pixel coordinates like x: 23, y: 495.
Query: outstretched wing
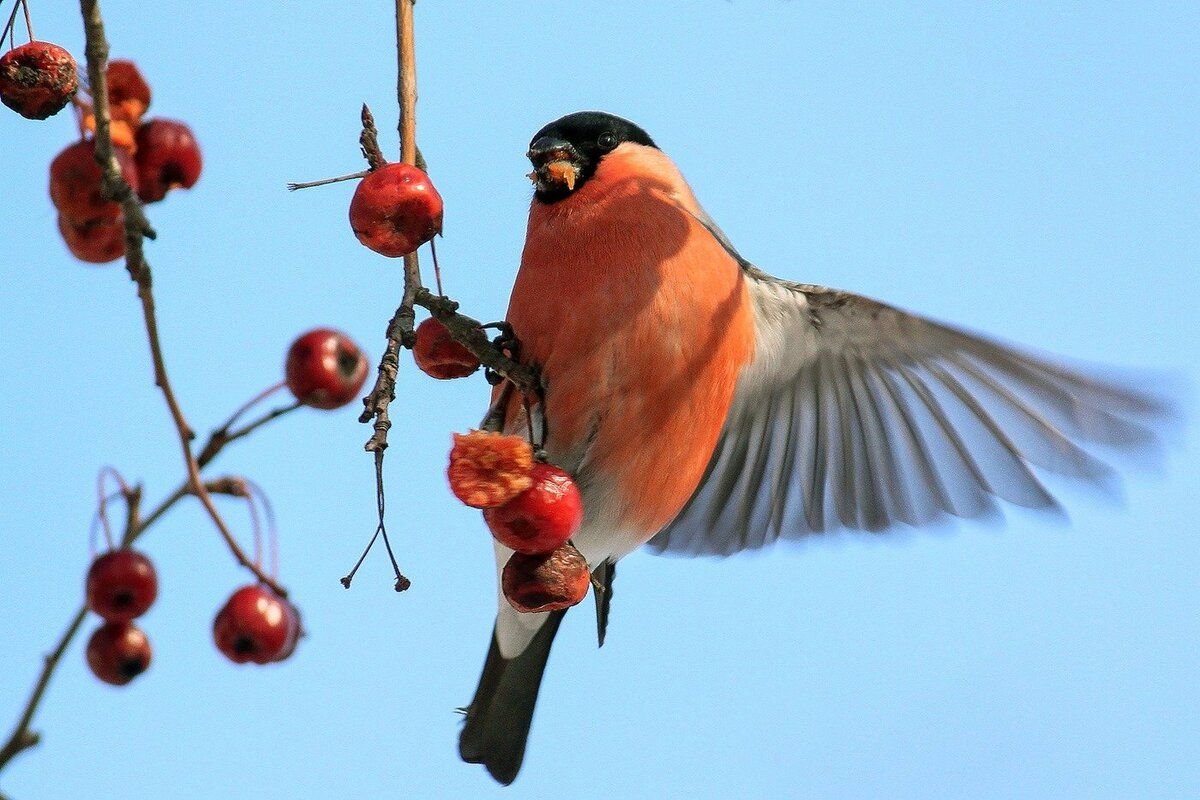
x: 858, y: 415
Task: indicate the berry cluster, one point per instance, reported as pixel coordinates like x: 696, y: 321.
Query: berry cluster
x: 121, y: 585
x: 532, y: 508
x: 324, y: 369
x: 154, y: 156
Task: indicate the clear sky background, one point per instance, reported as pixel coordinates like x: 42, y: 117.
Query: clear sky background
x: 1031, y: 172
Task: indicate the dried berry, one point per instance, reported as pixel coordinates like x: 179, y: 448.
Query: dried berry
x: 38, y: 79
x: 546, y: 581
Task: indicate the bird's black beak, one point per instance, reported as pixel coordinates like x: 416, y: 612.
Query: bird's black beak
x: 556, y: 164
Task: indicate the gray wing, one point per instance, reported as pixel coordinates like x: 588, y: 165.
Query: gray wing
x: 857, y: 415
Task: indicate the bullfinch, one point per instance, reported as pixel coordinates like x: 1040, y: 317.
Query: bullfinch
x: 706, y: 407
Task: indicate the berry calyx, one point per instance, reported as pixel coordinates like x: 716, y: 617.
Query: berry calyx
x: 546, y: 581
x: 75, y: 183
x: 488, y: 469
x: 438, y: 355
x: 38, y: 79
x: 254, y: 625
x: 395, y: 210
x: 541, y: 518
x: 96, y: 241
x: 118, y: 652
x: 167, y: 158
x: 121, y: 585
x: 325, y: 369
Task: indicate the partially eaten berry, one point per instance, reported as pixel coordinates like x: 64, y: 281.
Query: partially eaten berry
x: 128, y: 92
x: 542, y: 517
x: 439, y: 356
x: 118, y: 652
x: 121, y: 585
x: 395, y: 210
x: 38, y: 79
x: 488, y: 469
x: 325, y: 369
x: 167, y: 158
x: 546, y: 581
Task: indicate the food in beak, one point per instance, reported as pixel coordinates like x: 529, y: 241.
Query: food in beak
x: 559, y: 172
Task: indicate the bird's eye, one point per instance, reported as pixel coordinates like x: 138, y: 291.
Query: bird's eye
x: 606, y: 141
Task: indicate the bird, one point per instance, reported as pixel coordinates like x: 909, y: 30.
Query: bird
x: 705, y: 407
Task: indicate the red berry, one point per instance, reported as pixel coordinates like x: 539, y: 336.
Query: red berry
x: 542, y: 517
x: 38, y: 79
x: 75, y: 179
x: 438, y: 355
x: 121, y: 585
x: 167, y: 157
x: 118, y: 652
x: 547, y: 581
x: 253, y: 625
x: 128, y: 92
x: 325, y: 369
x: 395, y: 210
x: 96, y: 241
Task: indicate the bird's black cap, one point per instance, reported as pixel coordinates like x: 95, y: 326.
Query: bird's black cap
x: 581, y: 139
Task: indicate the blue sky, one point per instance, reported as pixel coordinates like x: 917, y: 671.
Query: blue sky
x: 1030, y: 172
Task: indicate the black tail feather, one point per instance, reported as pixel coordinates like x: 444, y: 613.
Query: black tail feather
x: 498, y: 718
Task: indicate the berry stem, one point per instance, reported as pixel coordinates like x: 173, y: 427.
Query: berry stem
x: 8, y: 26
x: 249, y: 404
x: 28, y: 21
x: 437, y: 270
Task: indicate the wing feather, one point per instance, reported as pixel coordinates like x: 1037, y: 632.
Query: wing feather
x: 857, y: 415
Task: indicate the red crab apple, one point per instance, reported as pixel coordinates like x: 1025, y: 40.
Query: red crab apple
x: 96, y: 241
x: 38, y: 79
x: 255, y: 625
x: 118, y: 652
x: 167, y: 158
x: 75, y: 180
x: 542, y: 517
x: 546, y: 581
x: 438, y: 355
x: 395, y: 210
x: 325, y: 369
x: 121, y: 585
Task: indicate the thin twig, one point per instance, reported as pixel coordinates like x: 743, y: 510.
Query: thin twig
x: 22, y: 737
x: 139, y: 270
x: 326, y: 181
x: 223, y: 436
